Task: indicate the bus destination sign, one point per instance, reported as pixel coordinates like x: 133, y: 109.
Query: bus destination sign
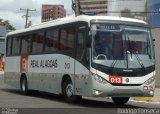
x: 108, y: 27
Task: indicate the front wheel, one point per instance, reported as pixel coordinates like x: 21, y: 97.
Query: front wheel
x: 68, y: 92
x: 120, y: 100
x: 24, y: 86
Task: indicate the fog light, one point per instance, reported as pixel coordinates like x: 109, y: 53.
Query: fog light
x: 151, y: 92
x: 96, y: 92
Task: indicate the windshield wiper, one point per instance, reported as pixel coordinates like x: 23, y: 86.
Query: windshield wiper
x: 136, y: 55
x: 139, y: 60
x: 112, y: 65
x: 130, y: 47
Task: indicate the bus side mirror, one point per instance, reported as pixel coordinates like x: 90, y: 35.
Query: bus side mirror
x: 153, y: 42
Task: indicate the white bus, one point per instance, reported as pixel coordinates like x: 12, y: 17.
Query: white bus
x: 93, y: 56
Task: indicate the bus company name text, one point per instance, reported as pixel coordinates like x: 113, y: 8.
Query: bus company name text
x: 44, y: 63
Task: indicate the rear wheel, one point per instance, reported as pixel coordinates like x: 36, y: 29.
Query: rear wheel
x: 24, y: 86
x: 120, y: 100
x: 68, y: 92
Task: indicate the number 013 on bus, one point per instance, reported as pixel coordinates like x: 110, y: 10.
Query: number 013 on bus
x: 93, y: 56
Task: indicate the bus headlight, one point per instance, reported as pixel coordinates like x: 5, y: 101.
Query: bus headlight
x: 100, y: 79
x: 150, y: 80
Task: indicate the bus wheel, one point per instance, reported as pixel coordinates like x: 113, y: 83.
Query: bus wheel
x: 120, y: 100
x: 68, y: 92
x: 24, y: 86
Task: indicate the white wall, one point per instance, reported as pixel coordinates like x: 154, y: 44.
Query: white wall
x: 2, y: 46
x: 3, y: 31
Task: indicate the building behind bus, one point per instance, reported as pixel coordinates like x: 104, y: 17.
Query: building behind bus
x: 153, y: 20
x: 3, y: 32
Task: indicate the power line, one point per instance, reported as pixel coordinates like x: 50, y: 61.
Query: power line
x: 27, y: 15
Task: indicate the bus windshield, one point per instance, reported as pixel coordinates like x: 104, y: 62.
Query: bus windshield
x: 122, y: 46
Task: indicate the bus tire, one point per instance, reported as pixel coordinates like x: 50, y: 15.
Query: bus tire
x: 120, y: 100
x: 24, y: 86
x: 68, y: 92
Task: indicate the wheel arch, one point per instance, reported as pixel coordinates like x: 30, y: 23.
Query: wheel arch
x: 64, y: 78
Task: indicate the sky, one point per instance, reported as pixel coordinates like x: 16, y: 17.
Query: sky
x: 10, y: 10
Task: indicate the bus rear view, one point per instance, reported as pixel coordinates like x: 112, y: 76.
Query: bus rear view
x: 123, y: 60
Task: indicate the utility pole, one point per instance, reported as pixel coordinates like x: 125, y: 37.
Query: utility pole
x: 77, y: 7
x: 27, y: 15
x: 146, y: 10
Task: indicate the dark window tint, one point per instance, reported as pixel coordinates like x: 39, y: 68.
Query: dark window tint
x: 51, y: 44
x: 80, y: 54
x: 16, y: 46
x: 37, y: 42
x: 26, y: 44
x: 9, y: 46
x: 67, y: 38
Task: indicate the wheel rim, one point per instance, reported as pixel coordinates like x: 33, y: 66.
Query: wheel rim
x: 69, y: 90
x: 24, y: 86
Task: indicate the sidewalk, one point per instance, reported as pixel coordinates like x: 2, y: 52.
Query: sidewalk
x: 1, y: 78
x: 156, y: 97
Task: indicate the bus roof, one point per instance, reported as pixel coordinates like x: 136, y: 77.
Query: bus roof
x: 66, y: 20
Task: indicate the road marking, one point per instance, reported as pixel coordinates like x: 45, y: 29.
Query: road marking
x: 148, y: 99
x: 145, y: 102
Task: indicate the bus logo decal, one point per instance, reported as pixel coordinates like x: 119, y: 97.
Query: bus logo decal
x: 127, y: 80
x: 67, y: 66
x: 24, y: 64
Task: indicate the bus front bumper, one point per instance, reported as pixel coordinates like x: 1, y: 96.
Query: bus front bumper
x: 109, y: 90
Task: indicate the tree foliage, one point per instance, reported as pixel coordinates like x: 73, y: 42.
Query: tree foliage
x: 7, y: 24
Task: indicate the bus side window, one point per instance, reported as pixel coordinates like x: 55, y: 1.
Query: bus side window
x: 9, y: 46
x: 51, y: 44
x: 16, y: 46
x: 37, y: 42
x: 81, y: 46
x: 26, y: 45
x: 67, y: 38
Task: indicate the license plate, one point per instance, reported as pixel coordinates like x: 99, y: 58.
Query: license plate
x: 115, y: 79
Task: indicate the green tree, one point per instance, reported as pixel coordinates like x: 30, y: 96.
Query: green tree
x: 1, y: 21
x: 7, y: 24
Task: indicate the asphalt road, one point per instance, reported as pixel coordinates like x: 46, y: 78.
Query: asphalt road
x: 12, y: 98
